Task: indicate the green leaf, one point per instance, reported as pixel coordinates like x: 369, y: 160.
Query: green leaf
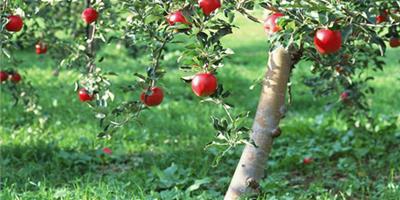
x: 197, y: 184
x: 151, y: 18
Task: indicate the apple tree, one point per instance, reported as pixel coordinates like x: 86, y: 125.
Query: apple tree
x: 340, y: 40
x: 12, y: 82
x: 71, y: 38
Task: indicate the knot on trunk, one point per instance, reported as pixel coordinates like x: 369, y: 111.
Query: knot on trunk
x: 276, y: 132
x: 253, y: 184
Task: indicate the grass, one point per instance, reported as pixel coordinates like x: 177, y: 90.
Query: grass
x: 165, y: 158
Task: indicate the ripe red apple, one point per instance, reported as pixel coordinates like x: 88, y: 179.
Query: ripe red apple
x: 328, y: 41
x: 344, y: 96
x: 154, y: 99
x: 89, y: 15
x: 41, y: 48
x: 307, y: 161
x: 3, y: 76
x: 270, y: 23
x: 84, y: 95
x: 382, y: 17
x: 107, y: 150
x: 394, y: 42
x: 209, y: 6
x: 15, y: 77
x: 15, y: 23
x: 204, y: 84
x: 177, y: 17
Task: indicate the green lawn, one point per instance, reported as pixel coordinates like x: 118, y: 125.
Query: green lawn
x: 165, y: 158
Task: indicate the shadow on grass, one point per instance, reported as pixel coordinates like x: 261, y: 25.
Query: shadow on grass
x: 47, y: 163
x: 337, y: 155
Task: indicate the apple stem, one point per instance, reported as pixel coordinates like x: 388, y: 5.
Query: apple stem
x: 205, y: 68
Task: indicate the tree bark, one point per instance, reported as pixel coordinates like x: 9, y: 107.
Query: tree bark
x: 250, y: 168
x: 90, y: 31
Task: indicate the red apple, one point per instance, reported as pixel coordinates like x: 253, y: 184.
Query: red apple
x: 89, y: 15
x: 154, y: 99
x: 15, y: 77
x: 3, y: 76
x: 270, y: 23
x: 328, y: 41
x: 307, y: 161
x: 204, y: 84
x: 394, y: 42
x: 209, y: 6
x: 15, y: 23
x: 344, y: 96
x: 107, y: 150
x: 84, y: 95
x: 382, y: 17
x: 41, y: 48
x: 177, y: 17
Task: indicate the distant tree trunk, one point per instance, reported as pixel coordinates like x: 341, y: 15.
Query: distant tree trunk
x: 250, y: 168
x: 90, y: 31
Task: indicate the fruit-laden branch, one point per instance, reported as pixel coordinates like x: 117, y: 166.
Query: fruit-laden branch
x: 250, y: 168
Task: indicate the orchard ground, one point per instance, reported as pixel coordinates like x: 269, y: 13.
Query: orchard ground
x: 165, y: 158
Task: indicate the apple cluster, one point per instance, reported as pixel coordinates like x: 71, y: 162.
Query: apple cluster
x: 327, y: 41
x: 13, y: 76
x: 203, y: 84
x: 384, y: 17
x: 15, y: 24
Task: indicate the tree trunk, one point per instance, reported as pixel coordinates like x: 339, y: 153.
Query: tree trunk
x: 90, y: 31
x: 250, y: 168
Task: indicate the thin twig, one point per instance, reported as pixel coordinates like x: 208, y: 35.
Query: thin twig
x: 227, y: 112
